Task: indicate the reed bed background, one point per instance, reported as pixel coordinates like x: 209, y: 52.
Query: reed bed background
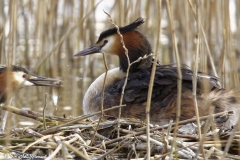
x: 44, y: 35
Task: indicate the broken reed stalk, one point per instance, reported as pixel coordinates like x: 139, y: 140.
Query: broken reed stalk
x: 128, y: 61
x: 179, y: 81
x: 32, y: 132
x: 102, y: 97
x: 31, y: 114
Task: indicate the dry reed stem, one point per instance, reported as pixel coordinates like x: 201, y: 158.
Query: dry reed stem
x: 4, y: 120
x: 102, y: 96
x: 197, y: 15
x: 231, y: 52
x: 57, y: 149
x: 37, y: 141
x: 44, y: 108
x: 8, y: 92
x: 102, y: 124
x: 69, y: 146
x: 12, y: 34
x: 149, y: 97
x: 128, y: 61
x: 179, y: 81
x: 78, y: 119
x: 65, y: 153
x: 205, y: 41
x: 208, y: 122
x: 33, y: 133
x: 115, y: 149
x: 195, y: 75
x: 95, y: 131
x: 12, y: 140
x: 104, y: 82
x: 31, y: 114
x: 223, y: 60
x: 99, y: 136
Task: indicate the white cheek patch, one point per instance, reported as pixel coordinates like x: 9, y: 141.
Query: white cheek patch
x: 109, y: 45
x: 21, y: 81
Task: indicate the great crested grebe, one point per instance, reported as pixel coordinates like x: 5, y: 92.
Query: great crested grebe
x: 164, y: 96
x: 15, y: 77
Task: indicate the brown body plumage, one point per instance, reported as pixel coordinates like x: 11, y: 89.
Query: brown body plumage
x: 163, y: 104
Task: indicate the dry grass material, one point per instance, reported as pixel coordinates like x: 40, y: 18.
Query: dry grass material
x: 43, y: 36
x: 74, y: 141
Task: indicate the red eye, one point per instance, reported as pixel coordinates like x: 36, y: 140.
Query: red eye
x: 24, y: 75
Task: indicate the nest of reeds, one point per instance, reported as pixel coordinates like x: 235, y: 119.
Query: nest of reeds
x: 81, y: 138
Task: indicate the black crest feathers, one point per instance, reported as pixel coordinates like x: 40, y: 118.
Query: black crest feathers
x: 14, y: 69
x: 124, y: 29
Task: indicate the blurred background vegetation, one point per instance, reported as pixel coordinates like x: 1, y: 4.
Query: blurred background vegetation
x: 44, y: 35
